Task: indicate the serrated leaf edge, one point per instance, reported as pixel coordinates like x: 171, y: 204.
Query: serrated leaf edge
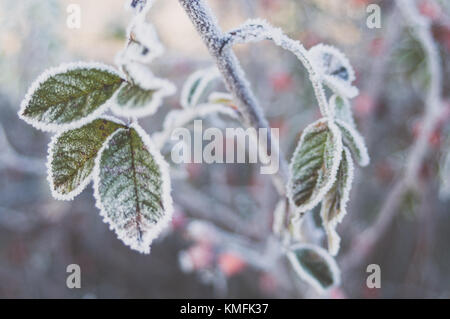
x: 359, y: 142
x: 50, y: 178
x: 334, y: 239
x: 62, y: 68
x: 164, y: 88
x: 150, y: 235
x: 303, y: 274
x: 333, y: 171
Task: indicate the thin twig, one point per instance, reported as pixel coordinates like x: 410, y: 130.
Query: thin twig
x: 213, y: 37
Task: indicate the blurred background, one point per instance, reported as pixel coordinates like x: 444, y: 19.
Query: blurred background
x: 40, y: 236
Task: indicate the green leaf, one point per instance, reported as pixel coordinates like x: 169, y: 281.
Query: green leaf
x: 315, y: 266
x: 334, y: 204
x: 72, y: 154
x: 134, y: 100
x: 69, y: 96
x: 355, y: 142
x: 196, y: 85
x: 132, y: 187
x: 314, y: 165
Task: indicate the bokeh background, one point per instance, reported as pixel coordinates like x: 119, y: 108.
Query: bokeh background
x: 40, y: 236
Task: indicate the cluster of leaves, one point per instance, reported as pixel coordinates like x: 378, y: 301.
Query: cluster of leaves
x: 131, y: 178
x: 321, y: 169
x: 322, y: 164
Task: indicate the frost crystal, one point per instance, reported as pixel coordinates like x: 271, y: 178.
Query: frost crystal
x: 355, y: 142
x: 196, y: 85
x: 314, y: 165
x: 71, y: 156
x: 315, y: 266
x: 341, y: 109
x: 132, y: 187
x: 143, y: 45
x: 334, y: 68
x: 69, y: 96
x: 258, y: 30
x: 334, y: 204
x: 145, y: 96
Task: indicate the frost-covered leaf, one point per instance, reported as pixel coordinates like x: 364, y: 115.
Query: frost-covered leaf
x: 139, y: 5
x: 143, y: 44
x: 133, y: 100
x: 314, y: 164
x: 143, y: 94
x: 69, y: 96
x: 132, y: 187
x: 315, y: 266
x: 355, y: 142
x: 196, y: 85
x: 72, y: 155
x: 334, y: 204
x: 342, y: 110
x: 335, y: 69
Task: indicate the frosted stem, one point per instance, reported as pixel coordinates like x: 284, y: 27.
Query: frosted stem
x: 234, y: 77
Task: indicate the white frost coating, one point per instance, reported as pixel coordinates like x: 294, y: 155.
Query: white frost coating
x: 63, y: 68
x: 141, y: 75
x: 257, y: 30
x: 201, y: 79
x: 150, y: 234
x: 71, y: 195
x: 334, y: 240
x: 220, y: 97
x: 180, y: 118
x: 345, y: 113
x: 305, y: 275
x: 139, y: 7
x: 144, y: 78
x: 143, y: 45
x: 341, y: 87
x: 358, y: 140
x: 335, y: 61
x: 163, y: 89
x: 339, y: 59
x: 337, y: 156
